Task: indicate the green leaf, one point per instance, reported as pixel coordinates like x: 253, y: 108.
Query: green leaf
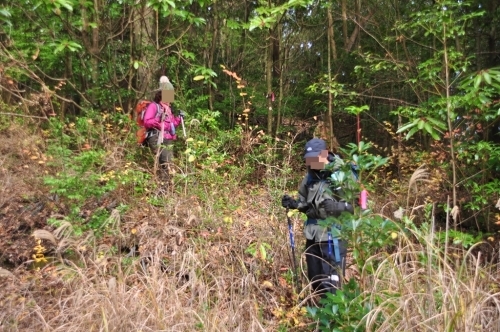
x: 420, y: 124
x: 411, y: 132
x: 435, y: 135
x: 198, y: 78
x: 66, y: 4
x: 136, y: 65
x: 437, y: 123
x: 487, y: 77
x: 263, y: 253
x: 477, y: 81
x: 312, y: 311
x: 483, y: 99
x: 428, y: 127
x: 188, y: 54
x: 59, y: 48
x: 232, y: 24
x: 405, y: 127
x: 5, y: 12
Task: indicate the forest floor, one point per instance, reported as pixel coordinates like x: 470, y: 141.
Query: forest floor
x: 211, y: 258
x: 24, y: 204
x: 232, y: 270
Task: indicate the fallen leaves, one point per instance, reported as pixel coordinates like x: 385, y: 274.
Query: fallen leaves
x: 266, y: 284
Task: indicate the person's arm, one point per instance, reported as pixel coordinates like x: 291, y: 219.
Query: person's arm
x: 172, y: 118
x: 176, y: 120
x: 150, y: 119
x: 303, y: 206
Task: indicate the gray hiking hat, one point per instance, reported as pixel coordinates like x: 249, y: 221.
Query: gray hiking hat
x: 314, y: 147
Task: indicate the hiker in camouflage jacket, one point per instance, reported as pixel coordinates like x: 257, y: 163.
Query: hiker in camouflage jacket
x: 325, y: 256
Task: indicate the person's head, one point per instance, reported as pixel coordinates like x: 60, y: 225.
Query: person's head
x: 316, y: 154
x: 157, y: 97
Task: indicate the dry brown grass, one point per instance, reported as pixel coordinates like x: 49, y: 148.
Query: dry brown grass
x: 184, y: 266
x: 189, y: 272
x: 420, y: 288
x: 427, y: 284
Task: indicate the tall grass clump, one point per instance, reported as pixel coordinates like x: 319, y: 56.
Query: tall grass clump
x: 205, y: 250
x: 414, y: 275
x: 426, y: 284
x: 118, y: 294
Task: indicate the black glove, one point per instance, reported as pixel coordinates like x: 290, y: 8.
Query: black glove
x: 330, y: 207
x: 288, y: 202
x: 334, y: 208
x: 348, y: 207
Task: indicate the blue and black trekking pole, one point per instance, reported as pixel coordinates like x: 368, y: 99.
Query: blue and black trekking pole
x: 292, y: 245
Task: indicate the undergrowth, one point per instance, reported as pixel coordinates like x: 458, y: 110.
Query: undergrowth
x: 209, y: 249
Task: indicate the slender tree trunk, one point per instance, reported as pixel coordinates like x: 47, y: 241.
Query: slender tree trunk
x: 492, y: 35
x: 68, y: 74
x: 358, y: 21
x: 269, y: 76
x: 331, y: 33
x: 240, y: 61
x: 281, y: 66
x: 333, y: 143
x: 344, y: 24
x: 95, y: 47
x: 354, y: 39
x: 211, y: 54
x: 450, y: 127
x: 269, y: 81
x: 142, y: 28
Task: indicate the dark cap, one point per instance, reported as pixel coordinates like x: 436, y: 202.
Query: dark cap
x: 314, y: 147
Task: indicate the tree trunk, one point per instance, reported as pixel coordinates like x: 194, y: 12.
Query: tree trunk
x: 269, y: 81
x: 95, y: 48
x: 142, y: 28
x: 333, y: 143
x: 280, y: 65
x: 211, y: 54
x: 344, y: 24
x: 331, y: 34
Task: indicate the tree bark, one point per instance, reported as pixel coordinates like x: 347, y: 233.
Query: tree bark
x: 281, y: 66
x: 269, y: 81
x: 142, y: 29
x: 215, y: 34
x: 344, y: 24
x: 333, y: 143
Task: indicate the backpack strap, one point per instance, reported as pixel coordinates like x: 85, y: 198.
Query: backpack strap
x: 336, y: 248
x: 330, y: 244
x: 151, y: 131
x: 168, y: 115
x: 158, y: 110
x: 333, y: 242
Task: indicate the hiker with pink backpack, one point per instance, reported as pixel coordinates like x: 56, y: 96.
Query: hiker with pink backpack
x: 160, y: 124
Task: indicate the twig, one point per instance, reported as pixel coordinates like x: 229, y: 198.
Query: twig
x: 26, y: 116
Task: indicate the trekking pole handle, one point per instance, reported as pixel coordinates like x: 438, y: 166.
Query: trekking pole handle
x: 183, y: 128
x: 162, y: 131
